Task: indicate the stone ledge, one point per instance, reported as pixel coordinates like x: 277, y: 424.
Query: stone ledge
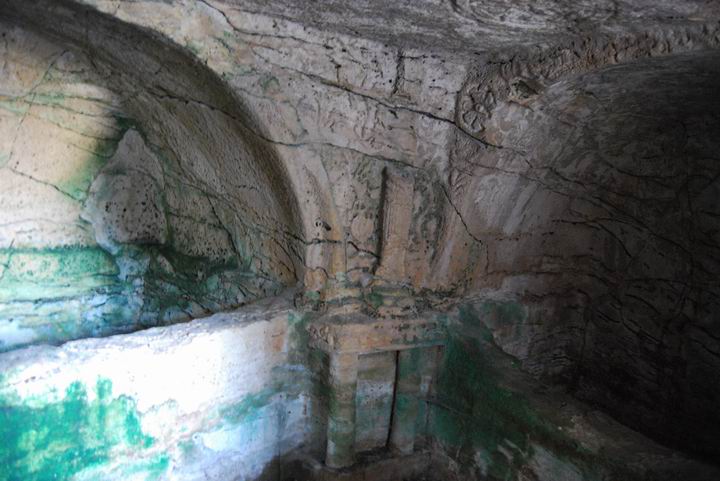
x: 363, y: 334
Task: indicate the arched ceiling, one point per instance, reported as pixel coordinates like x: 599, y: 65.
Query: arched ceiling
x: 139, y: 189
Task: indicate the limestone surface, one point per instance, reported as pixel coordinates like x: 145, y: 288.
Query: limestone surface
x: 537, y: 180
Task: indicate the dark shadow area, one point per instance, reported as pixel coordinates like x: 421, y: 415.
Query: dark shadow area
x: 604, y: 225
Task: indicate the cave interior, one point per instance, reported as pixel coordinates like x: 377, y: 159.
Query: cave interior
x: 294, y: 240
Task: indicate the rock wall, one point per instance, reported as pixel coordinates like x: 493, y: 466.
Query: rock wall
x: 240, y: 396
x: 337, y: 110
x: 218, y: 399
x: 599, y: 221
x: 548, y: 168
x: 490, y: 420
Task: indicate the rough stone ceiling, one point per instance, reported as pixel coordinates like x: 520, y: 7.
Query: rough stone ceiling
x: 480, y: 27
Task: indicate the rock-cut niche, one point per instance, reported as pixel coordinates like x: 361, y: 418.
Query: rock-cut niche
x: 603, y: 222
x: 135, y: 189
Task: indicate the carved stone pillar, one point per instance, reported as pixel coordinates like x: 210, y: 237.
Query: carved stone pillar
x: 406, y: 408
x: 340, y: 451
x: 399, y: 187
x: 346, y: 337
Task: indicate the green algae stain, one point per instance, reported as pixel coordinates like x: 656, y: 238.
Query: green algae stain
x: 15, y: 106
x: 375, y: 299
x: 33, y: 274
x: 77, y: 184
x: 178, y: 286
x: 489, y: 425
x: 470, y: 316
x: 269, y: 84
x: 70, y: 292
x: 477, y: 414
x: 50, y: 99
x: 189, y: 449
x: 248, y: 407
x: 153, y: 467
x: 504, y: 312
x: 195, y: 47
x: 299, y: 337
x: 56, y: 440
